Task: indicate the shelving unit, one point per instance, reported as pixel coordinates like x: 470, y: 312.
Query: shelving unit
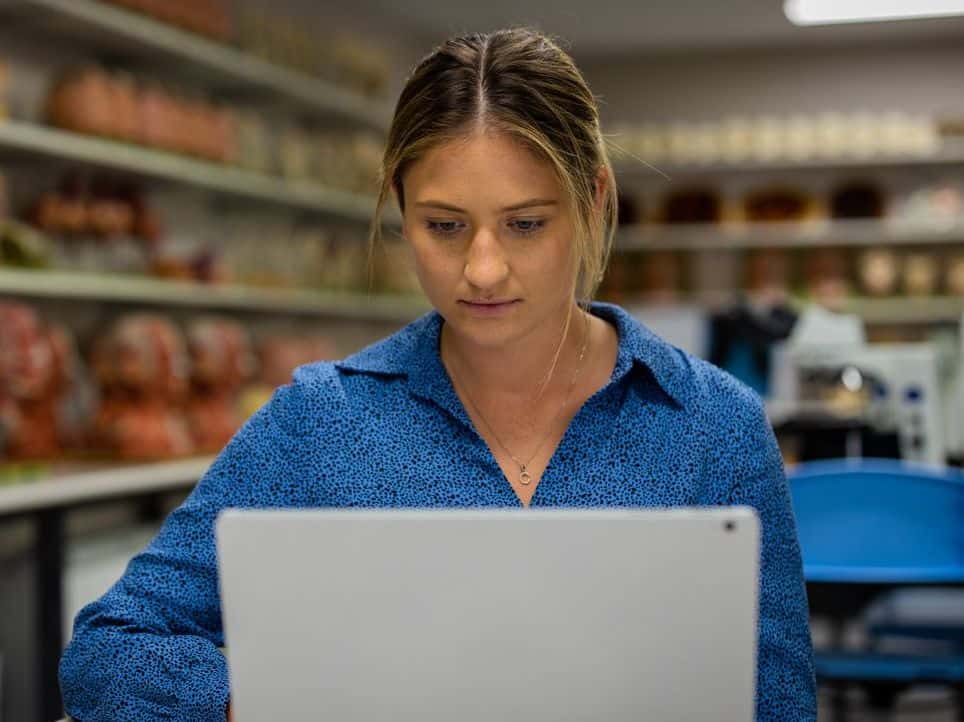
x: 133, y: 289
x: 126, y: 34
x: 35, y: 140
x: 903, y: 310
x: 45, y: 503
x: 706, y: 237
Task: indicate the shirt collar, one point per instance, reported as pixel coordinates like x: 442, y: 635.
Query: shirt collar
x: 413, y: 352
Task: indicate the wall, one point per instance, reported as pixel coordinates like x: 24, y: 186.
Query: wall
x: 914, y: 78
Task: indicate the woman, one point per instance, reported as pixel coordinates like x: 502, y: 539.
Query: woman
x: 510, y: 393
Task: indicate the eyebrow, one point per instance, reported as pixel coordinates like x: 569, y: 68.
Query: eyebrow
x: 532, y: 203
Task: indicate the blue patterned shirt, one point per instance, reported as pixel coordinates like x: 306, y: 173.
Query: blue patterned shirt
x: 384, y: 428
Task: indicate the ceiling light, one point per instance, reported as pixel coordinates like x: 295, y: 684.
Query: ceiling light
x: 828, y: 12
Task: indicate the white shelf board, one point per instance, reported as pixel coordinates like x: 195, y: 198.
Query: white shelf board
x: 896, y: 310
x: 815, y: 234
x: 907, y: 309
x: 123, y: 32
x: 38, y: 140
x: 62, y: 490
x: 628, y: 168
x: 134, y: 289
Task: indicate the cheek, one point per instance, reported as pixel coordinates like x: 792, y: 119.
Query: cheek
x: 557, y: 257
x: 432, y: 264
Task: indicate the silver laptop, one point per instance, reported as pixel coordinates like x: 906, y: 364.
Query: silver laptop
x: 490, y: 616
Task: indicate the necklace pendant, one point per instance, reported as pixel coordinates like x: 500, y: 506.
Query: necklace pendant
x: 524, y: 476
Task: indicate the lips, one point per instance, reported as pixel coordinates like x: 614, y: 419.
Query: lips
x: 490, y: 307
x: 499, y: 302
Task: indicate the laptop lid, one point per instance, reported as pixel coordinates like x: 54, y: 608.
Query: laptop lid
x: 483, y: 615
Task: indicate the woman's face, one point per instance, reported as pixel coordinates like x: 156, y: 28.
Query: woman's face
x: 492, y: 238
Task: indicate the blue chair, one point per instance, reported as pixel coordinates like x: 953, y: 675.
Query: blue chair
x: 867, y: 528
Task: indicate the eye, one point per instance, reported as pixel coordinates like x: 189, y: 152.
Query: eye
x: 527, y: 226
x: 444, y: 229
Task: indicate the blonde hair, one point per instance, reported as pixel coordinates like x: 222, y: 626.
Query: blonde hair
x: 521, y: 83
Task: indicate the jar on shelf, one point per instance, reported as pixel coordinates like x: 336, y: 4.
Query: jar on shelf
x: 921, y: 274
x: 124, y: 107
x: 878, y: 271
x: 954, y: 281
x: 827, y: 276
x: 82, y: 102
x: 661, y: 276
x: 4, y: 91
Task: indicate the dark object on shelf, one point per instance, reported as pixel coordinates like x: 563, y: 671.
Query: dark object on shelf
x: 108, y: 215
x: 857, y: 200
x: 622, y: 274
x: 64, y: 211
x: 827, y: 275
x: 627, y: 210
x: 692, y: 206
x: 662, y: 276
x: 768, y: 275
x: 209, y: 18
x: 776, y: 205
x: 741, y: 338
x: 99, y: 207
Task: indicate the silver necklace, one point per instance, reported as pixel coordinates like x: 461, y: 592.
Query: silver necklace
x: 525, y: 478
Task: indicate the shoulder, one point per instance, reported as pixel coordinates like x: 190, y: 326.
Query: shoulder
x: 721, y: 420
x: 696, y: 385
x: 719, y: 392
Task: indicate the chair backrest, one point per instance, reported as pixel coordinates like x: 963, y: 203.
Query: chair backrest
x: 879, y: 520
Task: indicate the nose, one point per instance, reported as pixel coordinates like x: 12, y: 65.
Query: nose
x: 485, y: 263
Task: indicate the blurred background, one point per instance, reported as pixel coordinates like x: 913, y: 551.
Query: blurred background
x: 185, y: 187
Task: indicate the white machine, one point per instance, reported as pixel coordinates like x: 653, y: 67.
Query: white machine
x: 891, y: 386
x: 953, y: 392
x: 481, y: 615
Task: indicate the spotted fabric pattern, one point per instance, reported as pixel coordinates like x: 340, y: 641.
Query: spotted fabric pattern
x: 382, y: 428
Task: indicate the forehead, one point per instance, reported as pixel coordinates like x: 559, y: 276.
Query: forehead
x: 481, y: 168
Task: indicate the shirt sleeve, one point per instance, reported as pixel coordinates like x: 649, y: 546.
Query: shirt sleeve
x: 149, y: 648
x: 786, y: 688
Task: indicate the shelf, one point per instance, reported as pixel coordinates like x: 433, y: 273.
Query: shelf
x: 134, y: 289
x: 709, y: 237
x: 158, y: 165
x: 119, y: 32
x: 879, y: 311
x: 906, y: 309
x: 951, y: 155
x: 358, y: 306
x: 72, y: 489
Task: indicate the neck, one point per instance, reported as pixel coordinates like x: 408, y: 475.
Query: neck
x: 521, y: 367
